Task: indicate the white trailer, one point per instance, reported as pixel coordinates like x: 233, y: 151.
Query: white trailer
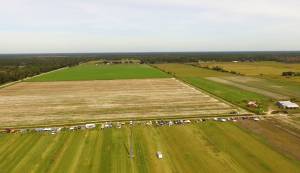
x: 90, y: 126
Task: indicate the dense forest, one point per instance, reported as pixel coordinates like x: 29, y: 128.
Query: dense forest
x: 19, y: 66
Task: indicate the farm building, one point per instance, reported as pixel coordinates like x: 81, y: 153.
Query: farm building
x: 287, y: 105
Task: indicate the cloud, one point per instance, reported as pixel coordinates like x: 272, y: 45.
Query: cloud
x: 48, y: 25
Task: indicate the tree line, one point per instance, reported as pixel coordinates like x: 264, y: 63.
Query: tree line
x: 19, y: 66
x: 13, y: 69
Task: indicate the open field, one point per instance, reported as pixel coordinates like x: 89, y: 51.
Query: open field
x: 227, y: 81
x: 261, y: 77
x: 256, y: 68
x: 211, y: 147
x: 264, y: 75
x: 84, y: 94
x: 199, y: 77
x: 101, y: 72
x: 75, y: 101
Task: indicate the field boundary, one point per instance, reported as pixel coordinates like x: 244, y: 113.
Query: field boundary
x: 27, y: 78
x: 206, y: 92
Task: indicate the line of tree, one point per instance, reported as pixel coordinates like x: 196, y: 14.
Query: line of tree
x: 18, y: 66
x: 13, y: 69
x: 181, y: 57
x: 217, y: 68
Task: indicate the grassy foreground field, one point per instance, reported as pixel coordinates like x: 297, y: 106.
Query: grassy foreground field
x: 211, y: 147
x: 101, y: 72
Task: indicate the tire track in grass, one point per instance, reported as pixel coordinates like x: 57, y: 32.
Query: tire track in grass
x: 223, y: 157
x: 168, y: 150
x: 70, y: 155
x: 269, y: 156
x: 96, y: 157
x: 8, y: 148
x: 48, y: 158
x: 87, y: 153
x: 17, y: 156
x: 156, y: 143
x: 114, y: 155
x: 247, y: 150
x: 148, y: 140
x: 44, y: 154
x: 188, y: 153
x: 141, y: 152
x: 78, y: 152
x: 106, y: 150
x: 4, y: 139
x: 13, y: 148
x: 223, y: 142
x: 120, y: 159
x: 9, y: 143
x: 57, y: 156
x: 33, y: 155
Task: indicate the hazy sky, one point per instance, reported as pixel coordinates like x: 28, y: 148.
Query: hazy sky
x: 33, y: 26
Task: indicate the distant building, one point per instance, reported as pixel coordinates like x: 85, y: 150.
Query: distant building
x: 287, y: 105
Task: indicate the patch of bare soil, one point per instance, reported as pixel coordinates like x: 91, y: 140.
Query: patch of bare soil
x: 49, y: 102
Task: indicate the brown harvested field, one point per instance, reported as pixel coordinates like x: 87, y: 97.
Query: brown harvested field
x: 29, y: 103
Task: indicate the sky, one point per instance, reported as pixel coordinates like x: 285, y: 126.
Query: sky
x: 70, y: 26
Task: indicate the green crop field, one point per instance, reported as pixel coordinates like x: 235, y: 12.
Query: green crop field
x: 261, y: 77
x: 229, y: 93
x: 101, y: 72
x: 211, y: 147
x: 198, y: 78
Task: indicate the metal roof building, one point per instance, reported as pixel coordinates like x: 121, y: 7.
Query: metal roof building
x: 287, y: 104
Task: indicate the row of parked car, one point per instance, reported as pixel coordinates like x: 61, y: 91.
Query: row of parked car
x: 118, y: 125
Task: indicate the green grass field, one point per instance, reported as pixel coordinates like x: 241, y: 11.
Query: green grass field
x: 231, y: 94
x: 263, y: 76
x: 198, y: 78
x: 211, y: 147
x: 101, y: 72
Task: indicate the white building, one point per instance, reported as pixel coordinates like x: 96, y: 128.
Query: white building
x: 287, y: 105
